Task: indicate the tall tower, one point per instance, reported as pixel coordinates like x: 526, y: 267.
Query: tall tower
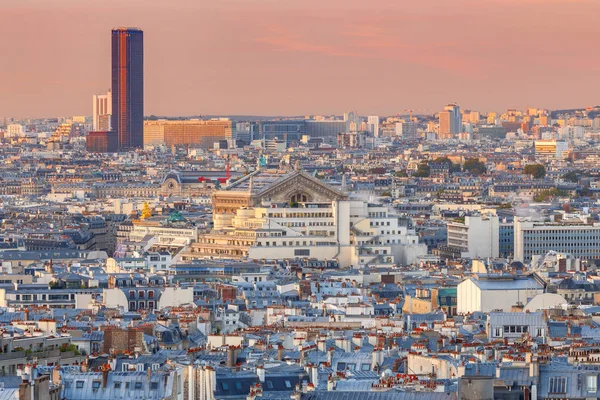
x: 128, y: 87
x: 450, y: 120
x: 373, y: 121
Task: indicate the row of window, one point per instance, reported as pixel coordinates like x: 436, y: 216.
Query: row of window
x: 117, y: 385
x: 141, y: 294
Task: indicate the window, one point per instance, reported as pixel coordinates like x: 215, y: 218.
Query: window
x: 288, y: 384
x: 365, y: 367
x: 138, y: 386
x: 558, y: 384
x: 238, y: 385
x: 96, y: 385
x: 270, y: 384
x: 225, y: 386
x: 117, y: 385
x: 79, y: 384
x: 591, y: 382
x: 498, y: 332
x: 153, y: 385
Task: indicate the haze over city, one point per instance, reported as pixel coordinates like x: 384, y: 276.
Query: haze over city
x: 299, y: 200
x: 305, y: 57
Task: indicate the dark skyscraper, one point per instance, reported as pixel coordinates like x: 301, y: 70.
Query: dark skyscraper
x: 128, y: 87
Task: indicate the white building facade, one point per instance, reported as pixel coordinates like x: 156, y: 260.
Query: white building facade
x: 476, y: 237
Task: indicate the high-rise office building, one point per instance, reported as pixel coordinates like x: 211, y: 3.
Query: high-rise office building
x: 373, y: 121
x: 102, y: 110
x: 128, y: 87
x: 450, y: 121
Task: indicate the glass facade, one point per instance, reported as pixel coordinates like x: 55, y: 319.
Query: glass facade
x: 127, y: 70
x: 286, y: 130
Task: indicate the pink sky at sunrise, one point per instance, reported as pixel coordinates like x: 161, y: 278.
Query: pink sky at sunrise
x: 293, y: 57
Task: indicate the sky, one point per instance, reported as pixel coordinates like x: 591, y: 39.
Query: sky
x: 302, y: 57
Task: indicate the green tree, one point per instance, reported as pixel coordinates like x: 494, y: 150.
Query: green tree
x: 572, y: 176
x: 401, y: 174
x: 423, y: 170
x: 538, y: 171
x: 474, y: 166
x: 546, y: 195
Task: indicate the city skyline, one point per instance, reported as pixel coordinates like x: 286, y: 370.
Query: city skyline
x: 237, y: 57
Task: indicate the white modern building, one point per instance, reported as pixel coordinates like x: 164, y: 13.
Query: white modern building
x: 102, y: 110
x: 15, y: 130
x: 373, y: 123
x: 487, y: 293
x: 476, y: 237
x: 574, y: 235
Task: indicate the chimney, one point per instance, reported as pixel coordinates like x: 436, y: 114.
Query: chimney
x: 534, y: 368
x: 280, y: 352
x: 377, y: 359
x: 260, y: 371
x: 314, y: 375
x: 330, y: 352
x: 56, y: 379
x: 322, y: 345
x: 330, y: 384
x: 149, y: 374
x: 230, y: 357
x: 357, y: 340
x: 104, y: 376
x: 372, y: 340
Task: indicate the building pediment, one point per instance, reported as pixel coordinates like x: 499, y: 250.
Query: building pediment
x: 299, y: 186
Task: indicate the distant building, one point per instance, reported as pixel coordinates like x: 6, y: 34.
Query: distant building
x: 407, y: 130
x: 373, y: 123
x: 450, y: 121
x: 128, y: 87
x: 15, y: 130
x: 476, y: 237
x: 491, y: 132
x: 101, y: 111
x: 551, y: 149
x: 577, y: 238
x: 194, y: 132
x: 102, y: 142
x: 325, y: 129
x: 285, y: 130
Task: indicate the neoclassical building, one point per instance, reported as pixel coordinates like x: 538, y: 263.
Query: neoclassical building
x: 263, y: 187
x: 277, y: 214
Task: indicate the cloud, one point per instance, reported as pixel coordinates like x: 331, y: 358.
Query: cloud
x: 283, y: 39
